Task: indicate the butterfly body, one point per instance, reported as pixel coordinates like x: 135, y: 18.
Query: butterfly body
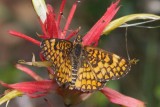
x: 84, y: 68
x: 76, y: 60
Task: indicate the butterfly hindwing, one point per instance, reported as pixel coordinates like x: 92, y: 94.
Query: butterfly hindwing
x: 63, y: 74
x: 86, y: 80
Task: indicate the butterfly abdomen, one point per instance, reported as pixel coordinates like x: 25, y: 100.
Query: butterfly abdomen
x: 74, y: 73
x: 76, y: 52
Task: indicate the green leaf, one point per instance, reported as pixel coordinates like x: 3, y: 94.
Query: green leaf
x: 40, y: 8
x: 118, y: 22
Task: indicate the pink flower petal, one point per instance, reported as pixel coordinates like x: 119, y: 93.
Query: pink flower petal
x: 69, y: 19
x: 45, y: 35
x: 50, y: 24
x: 36, y: 88
x: 118, y: 98
x: 29, y: 72
x: 60, y: 12
x: 95, y: 32
x: 73, y: 33
x: 18, y: 34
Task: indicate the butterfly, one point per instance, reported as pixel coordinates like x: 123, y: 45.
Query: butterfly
x: 85, y: 68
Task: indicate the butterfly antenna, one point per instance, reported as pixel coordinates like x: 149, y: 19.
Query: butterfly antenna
x: 126, y: 40
x: 131, y: 61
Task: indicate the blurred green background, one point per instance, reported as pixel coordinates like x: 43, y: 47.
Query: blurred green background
x: 142, y: 82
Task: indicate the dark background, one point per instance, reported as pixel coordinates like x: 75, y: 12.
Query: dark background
x: 142, y: 82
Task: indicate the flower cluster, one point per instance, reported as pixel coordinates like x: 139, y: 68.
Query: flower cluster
x: 50, y: 24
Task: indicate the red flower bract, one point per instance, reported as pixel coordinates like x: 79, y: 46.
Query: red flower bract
x: 118, y: 98
x: 34, y: 88
x: 95, y: 32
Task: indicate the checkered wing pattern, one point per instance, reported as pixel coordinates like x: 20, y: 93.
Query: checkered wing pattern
x: 95, y: 66
x: 58, y: 52
x: 106, y: 66
x: 63, y: 75
x: 86, y: 78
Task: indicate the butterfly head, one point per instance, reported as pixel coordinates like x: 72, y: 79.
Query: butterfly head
x: 78, y: 39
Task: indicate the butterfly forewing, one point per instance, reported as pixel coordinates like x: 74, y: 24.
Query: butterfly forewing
x: 106, y: 65
x: 56, y: 50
